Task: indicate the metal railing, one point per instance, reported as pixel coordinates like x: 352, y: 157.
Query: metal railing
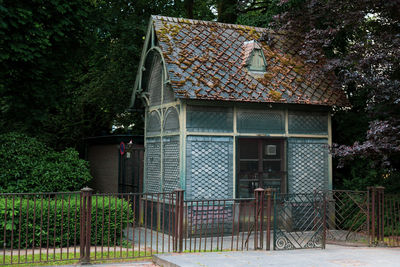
x: 299, y: 221
x: 368, y: 218
x: 228, y: 224
x: 391, y: 220
x: 91, y: 227
x: 347, y: 216
x: 39, y: 227
x: 385, y: 217
x: 216, y: 225
x: 144, y: 224
x: 82, y: 226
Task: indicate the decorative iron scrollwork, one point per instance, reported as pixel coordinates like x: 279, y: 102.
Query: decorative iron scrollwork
x: 314, y: 242
x: 299, y: 221
x: 283, y: 243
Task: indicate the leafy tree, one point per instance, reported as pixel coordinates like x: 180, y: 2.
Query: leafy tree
x: 28, y: 165
x: 106, y: 81
x: 68, y: 67
x: 360, y: 43
x: 227, y: 10
x: 40, y: 46
x: 247, y: 12
x: 258, y: 12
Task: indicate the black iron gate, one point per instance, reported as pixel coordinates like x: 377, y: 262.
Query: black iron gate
x: 299, y: 221
x: 347, y: 217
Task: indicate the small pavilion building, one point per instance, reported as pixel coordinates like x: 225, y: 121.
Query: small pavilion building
x: 230, y: 108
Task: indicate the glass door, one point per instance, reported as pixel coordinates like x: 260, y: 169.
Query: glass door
x: 261, y: 163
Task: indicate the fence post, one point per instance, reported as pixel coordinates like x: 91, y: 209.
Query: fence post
x: 269, y: 194
x: 259, y: 216
x: 371, y: 191
x: 179, y: 209
x: 380, y: 192
x: 85, y: 224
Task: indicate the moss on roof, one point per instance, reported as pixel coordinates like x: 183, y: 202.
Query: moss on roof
x: 205, y: 61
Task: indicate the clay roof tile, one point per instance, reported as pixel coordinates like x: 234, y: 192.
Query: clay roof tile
x: 214, y: 56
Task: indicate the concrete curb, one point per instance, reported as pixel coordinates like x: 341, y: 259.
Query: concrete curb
x: 162, y: 262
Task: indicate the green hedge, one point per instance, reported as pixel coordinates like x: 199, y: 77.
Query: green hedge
x: 28, y: 165
x: 60, y: 217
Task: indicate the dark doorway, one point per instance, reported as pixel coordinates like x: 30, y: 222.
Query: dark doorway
x: 261, y: 163
x: 131, y: 171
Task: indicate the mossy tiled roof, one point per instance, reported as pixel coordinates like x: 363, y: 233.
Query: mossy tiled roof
x: 206, y: 60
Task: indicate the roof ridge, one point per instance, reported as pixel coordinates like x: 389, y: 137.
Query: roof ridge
x: 205, y: 22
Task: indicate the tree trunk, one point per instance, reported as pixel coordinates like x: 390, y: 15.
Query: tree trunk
x: 189, y: 8
x: 227, y: 11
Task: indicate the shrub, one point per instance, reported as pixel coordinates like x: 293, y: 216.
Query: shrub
x: 60, y: 216
x: 27, y: 165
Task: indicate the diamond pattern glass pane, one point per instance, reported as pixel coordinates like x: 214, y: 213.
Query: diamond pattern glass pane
x: 209, y: 119
x: 153, y: 123
x: 171, y: 120
x: 153, y: 165
x: 308, y: 123
x: 307, y: 165
x: 260, y: 121
x: 209, y: 172
x: 170, y: 163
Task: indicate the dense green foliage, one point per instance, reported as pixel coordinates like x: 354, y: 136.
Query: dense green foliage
x: 67, y: 69
x: 57, y: 219
x: 42, y: 44
x: 28, y: 165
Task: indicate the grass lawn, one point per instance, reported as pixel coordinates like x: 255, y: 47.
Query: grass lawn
x: 62, y: 258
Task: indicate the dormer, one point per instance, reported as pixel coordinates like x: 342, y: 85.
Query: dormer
x: 254, y: 58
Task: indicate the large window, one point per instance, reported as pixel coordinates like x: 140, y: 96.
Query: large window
x: 261, y: 163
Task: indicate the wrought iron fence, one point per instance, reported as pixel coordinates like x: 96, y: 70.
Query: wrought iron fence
x: 385, y: 218
x: 367, y: 218
x: 143, y: 224
x: 39, y: 227
x: 216, y: 225
x: 391, y: 220
x: 86, y: 227
x: 81, y: 226
x: 347, y: 217
x: 299, y: 221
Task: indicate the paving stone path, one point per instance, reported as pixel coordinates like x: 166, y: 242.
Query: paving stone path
x: 332, y: 256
